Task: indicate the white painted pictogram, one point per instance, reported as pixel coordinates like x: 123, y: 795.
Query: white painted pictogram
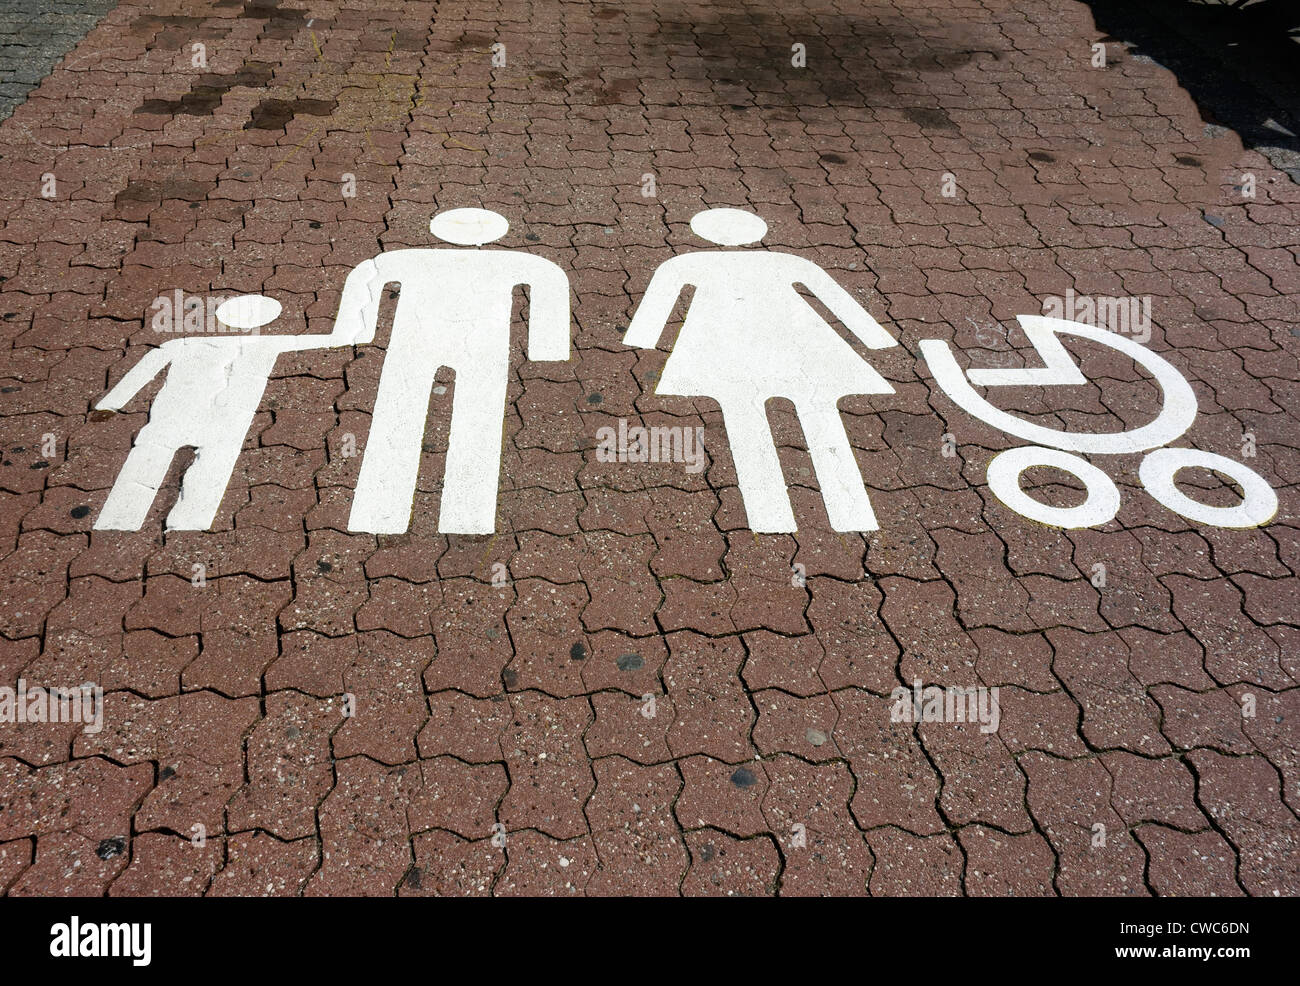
x: 1177, y: 412
x: 212, y: 391
x: 1158, y: 470
x: 748, y: 337
x: 1102, y: 502
x: 453, y: 310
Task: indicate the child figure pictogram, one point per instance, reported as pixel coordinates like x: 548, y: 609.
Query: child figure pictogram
x: 212, y: 391
x: 749, y: 336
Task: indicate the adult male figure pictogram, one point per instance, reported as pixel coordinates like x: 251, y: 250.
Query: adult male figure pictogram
x: 748, y: 337
x: 213, y: 388
x: 453, y: 310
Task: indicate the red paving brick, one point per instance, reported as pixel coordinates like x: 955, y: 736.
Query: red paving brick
x: 625, y: 690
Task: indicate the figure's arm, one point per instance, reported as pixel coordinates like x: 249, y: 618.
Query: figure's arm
x: 844, y: 307
x: 548, y: 312
x: 655, y: 309
x: 358, y: 314
x: 150, y: 365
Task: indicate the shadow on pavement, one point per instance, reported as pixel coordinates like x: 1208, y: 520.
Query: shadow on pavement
x: 1240, y: 63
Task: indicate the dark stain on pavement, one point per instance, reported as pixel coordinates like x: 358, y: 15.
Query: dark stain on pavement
x: 848, y: 59
x: 274, y: 114
x: 929, y: 117
x: 206, y: 93
x: 281, y: 22
x: 159, y: 191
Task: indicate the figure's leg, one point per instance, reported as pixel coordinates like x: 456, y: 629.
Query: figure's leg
x: 205, y: 481
x: 469, y: 485
x: 758, y: 468
x: 847, y: 504
x: 391, y: 463
x: 137, y: 482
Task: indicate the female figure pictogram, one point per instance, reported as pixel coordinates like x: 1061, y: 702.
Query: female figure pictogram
x: 749, y: 336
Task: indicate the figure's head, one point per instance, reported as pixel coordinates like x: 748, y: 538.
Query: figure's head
x: 728, y: 227
x: 468, y: 227
x: 248, y: 311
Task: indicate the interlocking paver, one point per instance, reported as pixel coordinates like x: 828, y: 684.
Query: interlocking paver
x: 624, y: 689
